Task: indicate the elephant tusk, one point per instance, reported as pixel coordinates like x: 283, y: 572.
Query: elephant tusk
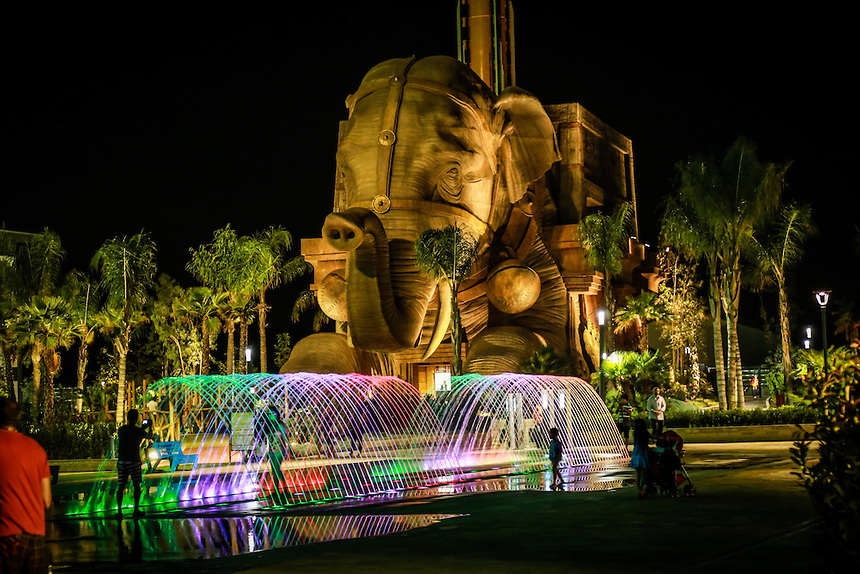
x: 443, y: 319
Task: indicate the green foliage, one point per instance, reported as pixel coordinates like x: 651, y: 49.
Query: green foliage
x: 65, y: 440
x: 545, y: 361
x: 833, y: 481
x: 283, y: 348
x: 306, y: 302
x: 775, y: 382
x: 448, y: 254
x: 679, y: 418
x: 635, y: 372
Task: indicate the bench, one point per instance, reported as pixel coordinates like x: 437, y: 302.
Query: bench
x: 170, y: 451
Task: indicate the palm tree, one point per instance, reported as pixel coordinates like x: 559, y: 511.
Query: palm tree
x: 447, y: 254
x: 775, y: 251
x: 202, y: 307
x: 603, y: 237
x: 79, y: 292
x: 847, y: 323
x: 639, y: 311
x: 634, y: 373
x: 714, y: 214
x: 685, y: 226
x: 44, y: 325
x: 223, y: 267
x: 274, y: 268
x: 177, y: 336
x: 545, y: 361
x: 306, y: 301
x: 30, y: 267
x: 126, y: 267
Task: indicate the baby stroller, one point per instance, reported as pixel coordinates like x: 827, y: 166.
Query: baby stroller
x: 667, y: 472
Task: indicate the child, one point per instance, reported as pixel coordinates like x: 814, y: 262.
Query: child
x: 639, y: 457
x: 555, y: 458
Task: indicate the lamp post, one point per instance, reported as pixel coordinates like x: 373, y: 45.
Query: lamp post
x: 601, y: 320
x: 822, y: 297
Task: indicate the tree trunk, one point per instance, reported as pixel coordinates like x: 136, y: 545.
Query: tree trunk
x: 51, y: 368
x: 7, y: 371
x: 83, y: 358
x: 719, y: 358
x: 122, y: 357
x: 204, y: 352
x: 243, y: 344
x: 736, y: 397
x: 609, y: 302
x: 231, y: 346
x: 456, y: 341
x: 785, y: 336
x: 262, y: 311
x: 732, y: 295
x: 36, y: 360
x: 643, y: 336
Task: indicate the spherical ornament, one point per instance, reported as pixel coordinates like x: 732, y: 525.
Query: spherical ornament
x: 513, y: 287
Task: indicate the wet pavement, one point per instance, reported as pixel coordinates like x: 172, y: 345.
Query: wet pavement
x: 749, y: 514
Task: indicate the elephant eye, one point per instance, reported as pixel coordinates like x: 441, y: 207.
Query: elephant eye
x: 451, y: 183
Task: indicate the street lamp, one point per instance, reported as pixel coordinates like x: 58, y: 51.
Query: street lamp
x: 822, y: 297
x: 247, y: 360
x: 601, y: 320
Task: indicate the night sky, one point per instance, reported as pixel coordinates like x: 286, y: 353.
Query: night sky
x: 181, y: 123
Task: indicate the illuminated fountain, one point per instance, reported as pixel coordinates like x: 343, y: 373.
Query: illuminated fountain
x: 287, y: 439
x: 503, y: 422
x: 300, y: 438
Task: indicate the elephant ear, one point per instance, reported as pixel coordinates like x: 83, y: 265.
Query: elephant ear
x: 528, y: 147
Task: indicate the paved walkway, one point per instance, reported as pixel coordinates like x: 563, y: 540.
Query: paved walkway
x: 749, y: 515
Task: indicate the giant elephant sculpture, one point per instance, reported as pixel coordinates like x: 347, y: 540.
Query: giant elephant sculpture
x: 428, y: 144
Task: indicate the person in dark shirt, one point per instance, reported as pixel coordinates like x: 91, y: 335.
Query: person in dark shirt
x: 128, y: 460
x: 555, y: 458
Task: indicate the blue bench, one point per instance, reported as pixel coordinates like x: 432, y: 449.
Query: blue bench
x: 170, y: 451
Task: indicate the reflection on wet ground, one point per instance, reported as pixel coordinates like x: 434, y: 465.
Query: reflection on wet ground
x: 167, y: 539
x: 227, y: 528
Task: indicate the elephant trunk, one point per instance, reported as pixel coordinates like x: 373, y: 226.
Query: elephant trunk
x: 387, y: 296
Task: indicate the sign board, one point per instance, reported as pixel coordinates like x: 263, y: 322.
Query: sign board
x: 442, y: 378
x: 243, y: 431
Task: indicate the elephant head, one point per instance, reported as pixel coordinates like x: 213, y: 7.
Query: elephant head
x: 427, y: 144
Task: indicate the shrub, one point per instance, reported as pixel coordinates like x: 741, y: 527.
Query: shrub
x: 65, y: 440
x: 677, y: 418
x: 833, y: 481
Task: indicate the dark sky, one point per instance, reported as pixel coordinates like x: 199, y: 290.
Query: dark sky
x: 181, y: 123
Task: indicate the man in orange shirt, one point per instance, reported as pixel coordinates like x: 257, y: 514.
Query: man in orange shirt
x: 25, y: 494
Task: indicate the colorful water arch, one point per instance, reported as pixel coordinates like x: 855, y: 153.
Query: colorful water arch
x: 302, y: 438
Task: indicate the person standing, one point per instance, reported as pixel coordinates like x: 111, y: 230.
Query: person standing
x: 656, y: 410
x: 555, y: 458
x: 639, y: 457
x: 128, y: 461
x: 625, y: 416
x: 25, y: 494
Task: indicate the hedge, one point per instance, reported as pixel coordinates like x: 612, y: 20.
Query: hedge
x: 740, y: 417
x: 73, y: 439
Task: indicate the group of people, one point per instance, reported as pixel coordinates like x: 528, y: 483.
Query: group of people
x: 639, y: 460
x: 656, y: 407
